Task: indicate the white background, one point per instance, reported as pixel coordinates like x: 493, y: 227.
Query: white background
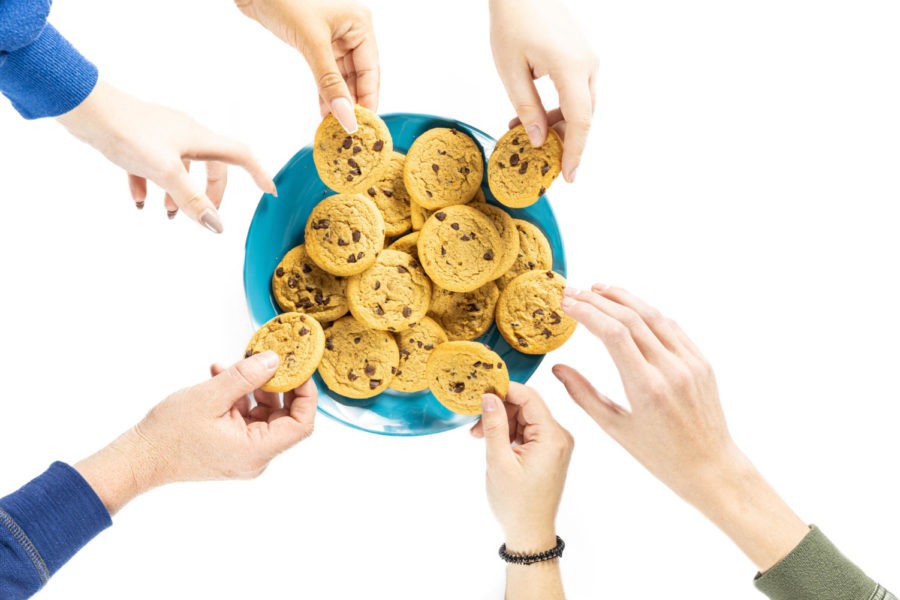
x: 741, y: 175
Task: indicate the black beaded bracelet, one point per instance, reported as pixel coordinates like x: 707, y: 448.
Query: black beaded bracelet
x: 529, y: 559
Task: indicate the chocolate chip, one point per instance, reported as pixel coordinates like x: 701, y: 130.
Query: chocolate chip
x: 307, y: 303
x: 402, y: 269
x: 458, y: 387
x: 545, y: 169
x: 429, y: 193
x: 404, y: 354
x: 407, y: 311
x: 357, y: 339
x: 549, y: 274
x: 413, y: 263
x: 378, y: 310
x: 442, y: 152
x: 377, y: 284
x: 501, y: 165
x: 465, y: 238
x: 454, y: 132
x: 352, y: 376
x: 343, y: 242
x: 321, y: 224
x: 359, y: 255
x: 542, y: 191
x: 538, y: 312
x: 307, y: 268
x: 393, y: 370
x: 370, y: 369
x: 555, y: 318
x: 319, y: 298
x: 464, y: 170
x: 388, y: 193
x: 487, y: 366
x: 351, y: 258
x: 371, y: 192
x: 530, y: 265
x: 348, y: 141
x: 378, y: 145
x: 522, y: 343
x: 489, y: 255
x: 434, y: 167
x: 443, y: 251
x: 513, y: 160
x: 500, y: 365
x: 352, y: 162
x: 349, y: 177
x: 515, y: 141
x: 303, y: 331
x: 546, y: 332
x: 477, y: 363
x: 356, y: 149
x: 279, y: 272
x: 454, y: 226
x: 429, y: 346
x: 523, y: 168
x: 472, y: 307
x: 248, y: 353
x: 440, y: 216
x: 355, y: 235
x: 374, y: 383
x: 292, y: 283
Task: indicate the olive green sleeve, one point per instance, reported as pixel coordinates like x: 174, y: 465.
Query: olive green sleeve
x: 816, y: 570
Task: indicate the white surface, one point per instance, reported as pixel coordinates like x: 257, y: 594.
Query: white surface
x: 742, y: 176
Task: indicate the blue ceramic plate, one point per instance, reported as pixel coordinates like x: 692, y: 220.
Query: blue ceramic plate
x: 277, y: 227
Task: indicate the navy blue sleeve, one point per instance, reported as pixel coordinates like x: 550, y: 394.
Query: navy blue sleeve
x: 40, y: 72
x: 42, y: 525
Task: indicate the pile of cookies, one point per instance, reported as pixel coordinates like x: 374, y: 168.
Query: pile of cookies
x: 424, y: 265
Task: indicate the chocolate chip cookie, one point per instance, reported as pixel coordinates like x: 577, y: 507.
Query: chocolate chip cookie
x: 509, y: 236
x: 298, y: 284
x: 460, y: 372
x: 352, y: 163
x: 299, y: 342
x: 519, y: 173
x: 443, y: 167
x: 416, y: 345
x: 464, y: 315
x: 390, y: 195
x: 358, y: 362
x: 529, y: 314
x: 457, y: 248
x: 407, y: 244
x: 419, y: 214
x: 392, y: 294
x: 344, y: 234
x: 534, y: 252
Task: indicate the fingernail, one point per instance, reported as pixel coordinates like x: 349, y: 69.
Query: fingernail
x: 210, y: 218
x: 139, y: 204
x: 570, y: 291
x: 171, y: 213
x: 343, y: 112
x: 488, y: 403
x: 534, y: 134
x: 273, y: 190
x: 572, y: 174
x: 268, y: 359
x: 558, y: 373
x: 567, y: 303
x: 600, y: 287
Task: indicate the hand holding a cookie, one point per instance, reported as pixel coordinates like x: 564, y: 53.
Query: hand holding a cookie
x: 204, y: 432
x: 338, y: 41
x: 525, y: 481
x: 676, y: 427
x: 530, y: 39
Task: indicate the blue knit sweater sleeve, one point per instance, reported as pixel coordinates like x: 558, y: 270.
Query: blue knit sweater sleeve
x: 40, y: 72
x: 42, y: 525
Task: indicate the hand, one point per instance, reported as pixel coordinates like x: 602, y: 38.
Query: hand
x: 208, y: 431
x: 676, y: 427
x: 338, y: 42
x: 533, y: 38
x: 525, y: 481
x: 156, y: 143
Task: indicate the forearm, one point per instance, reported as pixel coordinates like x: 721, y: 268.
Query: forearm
x: 537, y: 581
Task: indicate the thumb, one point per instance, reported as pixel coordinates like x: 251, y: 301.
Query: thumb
x: 609, y: 415
x: 242, y: 378
x: 527, y: 103
x: 496, y: 430
x: 332, y: 88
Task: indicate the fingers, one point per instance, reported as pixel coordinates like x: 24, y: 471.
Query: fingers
x: 368, y: 72
x: 609, y: 415
x: 169, y: 203
x: 526, y: 101
x: 495, y: 428
x: 577, y: 108
x: 294, y: 426
x: 208, y: 145
x: 661, y: 327
x: 193, y: 201
x: 332, y: 88
x: 240, y: 379
x: 216, y: 180
x: 138, y: 188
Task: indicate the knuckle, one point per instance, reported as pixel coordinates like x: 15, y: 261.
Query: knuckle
x: 655, y: 389
x: 681, y: 377
x: 242, y: 374
x: 526, y: 107
x: 330, y: 80
x: 617, y: 333
x: 652, y: 316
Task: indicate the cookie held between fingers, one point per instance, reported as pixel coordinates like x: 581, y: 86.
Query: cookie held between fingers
x: 358, y: 362
x: 464, y: 315
x: 416, y: 345
x: 443, y: 167
x: 299, y: 342
x: 352, y: 163
x: 344, y: 234
x: 457, y: 248
x: 390, y: 195
x: 518, y: 173
x: 392, y: 294
x: 509, y: 236
x: 534, y: 252
x: 529, y: 313
x: 460, y: 372
x: 299, y: 285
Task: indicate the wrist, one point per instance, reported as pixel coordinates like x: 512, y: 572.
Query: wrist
x: 531, y: 540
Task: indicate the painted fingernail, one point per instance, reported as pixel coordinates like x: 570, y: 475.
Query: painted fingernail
x: 268, y: 359
x: 567, y: 303
x: 570, y: 291
x: 343, y: 112
x: 534, y: 134
x: 488, y: 403
x: 210, y: 218
x: 139, y: 204
x: 171, y: 213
